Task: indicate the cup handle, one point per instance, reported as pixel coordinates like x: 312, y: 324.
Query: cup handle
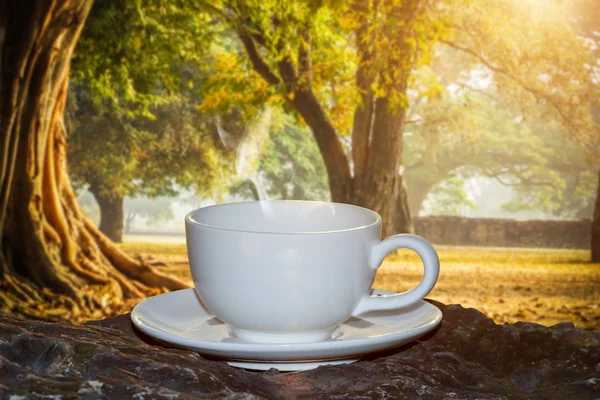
x: 432, y: 270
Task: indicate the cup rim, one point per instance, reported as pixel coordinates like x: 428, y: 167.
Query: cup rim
x: 190, y: 220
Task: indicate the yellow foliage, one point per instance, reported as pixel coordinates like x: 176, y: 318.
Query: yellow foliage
x: 517, y: 41
x: 233, y: 84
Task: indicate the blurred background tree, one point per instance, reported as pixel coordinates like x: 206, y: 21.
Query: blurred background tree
x: 153, y: 210
x: 466, y: 133
x: 133, y: 117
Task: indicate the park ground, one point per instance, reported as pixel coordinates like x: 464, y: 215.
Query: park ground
x: 546, y: 286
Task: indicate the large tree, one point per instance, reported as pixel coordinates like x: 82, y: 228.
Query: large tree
x: 54, y: 263
x: 145, y: 157
x: 134, y: 124
x: 306, y: 68
x: 346, y: 68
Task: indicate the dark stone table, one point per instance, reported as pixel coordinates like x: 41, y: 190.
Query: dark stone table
x: 467, y: 357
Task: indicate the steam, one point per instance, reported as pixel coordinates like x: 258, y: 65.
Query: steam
x: 249, y: 150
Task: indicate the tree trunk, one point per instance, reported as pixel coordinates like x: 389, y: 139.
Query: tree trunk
x: 373, y: 179
x: 111, y: 214
x: 254, y: 189
x: 418, y: 191
x: 404, y: 216
x: 378, y: 131
x: 379, y: 186
x: 416, y: 198
x: 54, y: 263
x: 330, y: 146
x: 129, y: 221
x: 596, y: 227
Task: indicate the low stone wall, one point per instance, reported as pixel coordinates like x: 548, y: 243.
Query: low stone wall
x: 462, y: 231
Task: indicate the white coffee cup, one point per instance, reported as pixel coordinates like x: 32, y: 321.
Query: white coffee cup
x: 292, y: 271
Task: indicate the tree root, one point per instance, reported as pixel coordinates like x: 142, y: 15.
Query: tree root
x: 54, y: 263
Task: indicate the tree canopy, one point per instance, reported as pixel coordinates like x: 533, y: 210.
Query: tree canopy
x: 135, y: 127
x: 347, y: 68
x: 470, y: 129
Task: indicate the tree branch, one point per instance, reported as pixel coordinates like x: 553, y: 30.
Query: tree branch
x: 288, y: 72
x: 478, y: 91
x: 258, y: 63
x: 304, y: 57
x: 536, y: 92
x: 522, y: 180
x: 306, y: 104
x: 415, y: 165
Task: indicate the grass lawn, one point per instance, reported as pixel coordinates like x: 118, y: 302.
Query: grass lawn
x: 546, y: 286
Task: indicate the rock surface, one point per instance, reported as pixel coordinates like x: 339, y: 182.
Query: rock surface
x: 468, y: 357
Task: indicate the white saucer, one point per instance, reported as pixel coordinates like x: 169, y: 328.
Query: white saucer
x: 181, y: 319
